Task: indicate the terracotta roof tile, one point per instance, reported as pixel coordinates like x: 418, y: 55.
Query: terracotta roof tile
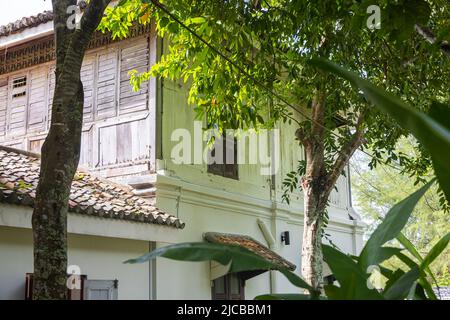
x: 250, y: 244
x: 90, y: 195
x: 25, y: 22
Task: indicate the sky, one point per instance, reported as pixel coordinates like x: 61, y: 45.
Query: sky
x: 12, y: 10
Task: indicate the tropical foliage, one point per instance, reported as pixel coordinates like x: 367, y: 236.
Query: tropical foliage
x: 353, y: 273
x: 246, y: 66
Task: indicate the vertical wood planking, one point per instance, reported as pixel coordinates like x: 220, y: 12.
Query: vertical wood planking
x: 107, y: 145
x: 37, y: 107
x: 86, y: 148
x: 51, y: 92
x: 134, y: 55
x: 3, y: 105
x: 87, y: 78
x: 18, y: 100
x: 106, y: 84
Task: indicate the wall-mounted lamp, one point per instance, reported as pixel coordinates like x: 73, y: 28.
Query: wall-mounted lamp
x: 285, y: 238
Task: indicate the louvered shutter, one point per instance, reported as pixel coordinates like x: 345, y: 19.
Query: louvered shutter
x: 106, y: 84
x: 51, y: 91
x: 135, y: 55
x: 18, y: 105
x: 87, y: 78
x: 37, y: 106
x: 3, y: 105
x: 101, y: 290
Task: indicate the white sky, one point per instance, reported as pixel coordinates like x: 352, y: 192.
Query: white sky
x: 12, y: 10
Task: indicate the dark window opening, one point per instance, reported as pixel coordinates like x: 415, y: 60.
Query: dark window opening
x: 228, y: 287
x: 227, y: 166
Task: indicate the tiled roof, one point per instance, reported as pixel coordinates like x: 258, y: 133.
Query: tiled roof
x: 25, y: 22
x: 90, y: 195
x: 31, y: 21
x: 250, y: 244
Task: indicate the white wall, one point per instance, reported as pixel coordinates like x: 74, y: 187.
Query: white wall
x: 220, y: 211
x: 100, y: 258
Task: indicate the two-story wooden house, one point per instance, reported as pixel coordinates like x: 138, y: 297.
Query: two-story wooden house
x: 127, y: 139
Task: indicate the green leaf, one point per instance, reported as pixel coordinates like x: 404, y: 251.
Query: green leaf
x: 402, y: 287
x: 431, y: 133
x: 409, y: 246
x: 352, y: 279
x: 435, y: 251
x: 196, y: 20
x: 239, y: 259
x: 423, y: 279
x: 393, y: 223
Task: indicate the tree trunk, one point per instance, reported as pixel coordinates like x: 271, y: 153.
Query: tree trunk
x: 60, y: 156
x: 318, y: 183
x: 61, y: 150
x: 314, y: 207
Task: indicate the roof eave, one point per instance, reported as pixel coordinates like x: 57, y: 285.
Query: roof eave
x: 25, y: 35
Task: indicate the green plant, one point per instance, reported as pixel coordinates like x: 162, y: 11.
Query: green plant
x: 351, y: 272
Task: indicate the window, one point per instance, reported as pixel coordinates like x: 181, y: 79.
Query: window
x: 223, y: 158
x: 228, y: 287
x: 72, y: 294
x: 19, y: 87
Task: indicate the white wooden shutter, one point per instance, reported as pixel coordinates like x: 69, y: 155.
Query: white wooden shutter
x: 86, y: 148
x: 100, y: 290
x: 124, y: 142
x: 37, y: 105
x: 106, y: 84
x: 3, y: 105
x: 135, y: 55
x: 87, y: 77
x: 17, y: 113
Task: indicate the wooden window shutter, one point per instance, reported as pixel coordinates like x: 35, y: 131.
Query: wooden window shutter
x: 51, y: 91
x: 134, y: 55
x: 106, y: 84
x: 230, y: 148
x: 101, y: 290
x: 228, y: 287
x: 3, y: 105
x: 227, y: 170
x: 87, y: 78
x: 37, y: 106
x: 18, y: 105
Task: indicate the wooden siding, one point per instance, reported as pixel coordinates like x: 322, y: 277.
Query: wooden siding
x: 118, y: 123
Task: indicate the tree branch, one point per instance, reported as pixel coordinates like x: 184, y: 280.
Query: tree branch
x: 318, y: 115
x: 429, y: 36
x: 346, y: 152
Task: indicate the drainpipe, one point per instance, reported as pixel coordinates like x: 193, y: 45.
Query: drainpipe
x: 271, y: 243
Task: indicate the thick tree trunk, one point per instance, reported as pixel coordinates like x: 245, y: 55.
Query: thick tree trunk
x: 312, y: 236
x: 60, y: 156
x: 318, y: 183
x: 61, y: 151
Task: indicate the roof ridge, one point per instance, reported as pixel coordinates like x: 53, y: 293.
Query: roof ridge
x: 32, y: 21
x: 26, y: 22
